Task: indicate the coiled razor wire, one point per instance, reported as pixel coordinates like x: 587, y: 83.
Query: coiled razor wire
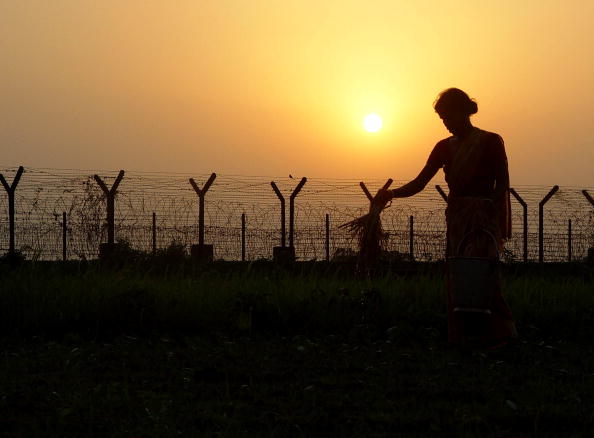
x: 43, y: 194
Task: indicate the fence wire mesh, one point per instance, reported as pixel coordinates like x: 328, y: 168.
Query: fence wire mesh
x: 44, y: 194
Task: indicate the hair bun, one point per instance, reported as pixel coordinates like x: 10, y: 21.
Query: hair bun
x: 454, y: 99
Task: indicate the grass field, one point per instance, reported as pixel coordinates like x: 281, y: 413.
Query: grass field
x: 269, y: 352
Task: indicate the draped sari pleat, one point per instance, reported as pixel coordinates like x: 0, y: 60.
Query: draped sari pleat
x: 477, y: 226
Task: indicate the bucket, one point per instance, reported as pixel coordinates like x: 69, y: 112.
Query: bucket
x: 473, y: 280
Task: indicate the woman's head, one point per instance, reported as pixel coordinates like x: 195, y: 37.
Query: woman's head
x: 455, y: 108
x: 455, y: 100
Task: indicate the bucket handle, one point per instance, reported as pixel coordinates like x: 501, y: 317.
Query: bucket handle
x: 475, y: 230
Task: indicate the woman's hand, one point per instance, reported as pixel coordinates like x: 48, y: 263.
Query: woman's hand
x: 382, y: 197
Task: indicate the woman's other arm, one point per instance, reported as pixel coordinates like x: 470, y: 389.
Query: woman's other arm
x: 501, y: 197
x: 499, y: 160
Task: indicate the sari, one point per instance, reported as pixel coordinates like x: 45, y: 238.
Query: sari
x: 477, y: 226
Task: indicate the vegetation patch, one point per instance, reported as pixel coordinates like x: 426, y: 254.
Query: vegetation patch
x: 105, y: 352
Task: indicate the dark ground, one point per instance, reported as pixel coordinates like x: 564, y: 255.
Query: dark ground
x: 365, y: 379
x: 159, y: 385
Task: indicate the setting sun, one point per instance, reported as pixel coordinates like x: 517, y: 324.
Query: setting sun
x: 266, y: 82
x: 372, y: 122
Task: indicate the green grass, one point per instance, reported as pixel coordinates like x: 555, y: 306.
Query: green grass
x: 41, y: 298
x: 248, y: 352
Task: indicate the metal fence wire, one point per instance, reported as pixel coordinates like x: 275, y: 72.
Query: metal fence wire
x: 42, y: 195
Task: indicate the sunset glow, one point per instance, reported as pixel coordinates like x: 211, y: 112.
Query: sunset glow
x: 204, y: 87
x: 372, y: 122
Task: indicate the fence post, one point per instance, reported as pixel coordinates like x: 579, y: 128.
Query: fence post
x: 292, y: 209
x: 10, y: 189
x: 588, y: 197
x: 569, y: 241
x: 202, y: 251
x: 154, y: 233
x: 283, y: 253
x: 368, y: 194
x: 590, y: 256
x: 110, y: 200
x: 362, y: 264
x: 411, y: 238
x: 541, y: 222
x: 327, y: 237
x: 243, y: 237
x: 64, y: 231
x: 364, y: 187
x: 525, y: 216
x: 442, y: 193
x: 282, y: 202
x: 201, y: 194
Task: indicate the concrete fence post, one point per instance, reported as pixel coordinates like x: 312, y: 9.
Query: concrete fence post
x: 541, y: 222
x: 10, y: 190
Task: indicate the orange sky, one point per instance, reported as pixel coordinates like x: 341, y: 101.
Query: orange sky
x: 276, y: 87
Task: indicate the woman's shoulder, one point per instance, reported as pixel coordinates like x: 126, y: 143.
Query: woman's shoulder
x: 491, y: 137
x: 441, y: 152
x: 443, y: 143
x: 443, y: 146
x: 493, y: 143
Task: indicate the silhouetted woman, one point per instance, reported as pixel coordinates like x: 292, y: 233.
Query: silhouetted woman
x: 475, y: 167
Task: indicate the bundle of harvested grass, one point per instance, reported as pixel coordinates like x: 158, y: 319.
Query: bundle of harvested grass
x: 370, y: 236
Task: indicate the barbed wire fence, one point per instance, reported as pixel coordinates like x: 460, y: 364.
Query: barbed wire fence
x: 44, y: 194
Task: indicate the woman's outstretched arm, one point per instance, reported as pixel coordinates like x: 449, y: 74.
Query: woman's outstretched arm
x: 384, y: 196
x: 417, y: 184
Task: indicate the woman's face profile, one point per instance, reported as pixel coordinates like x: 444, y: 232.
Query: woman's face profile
x: 454, y: 121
